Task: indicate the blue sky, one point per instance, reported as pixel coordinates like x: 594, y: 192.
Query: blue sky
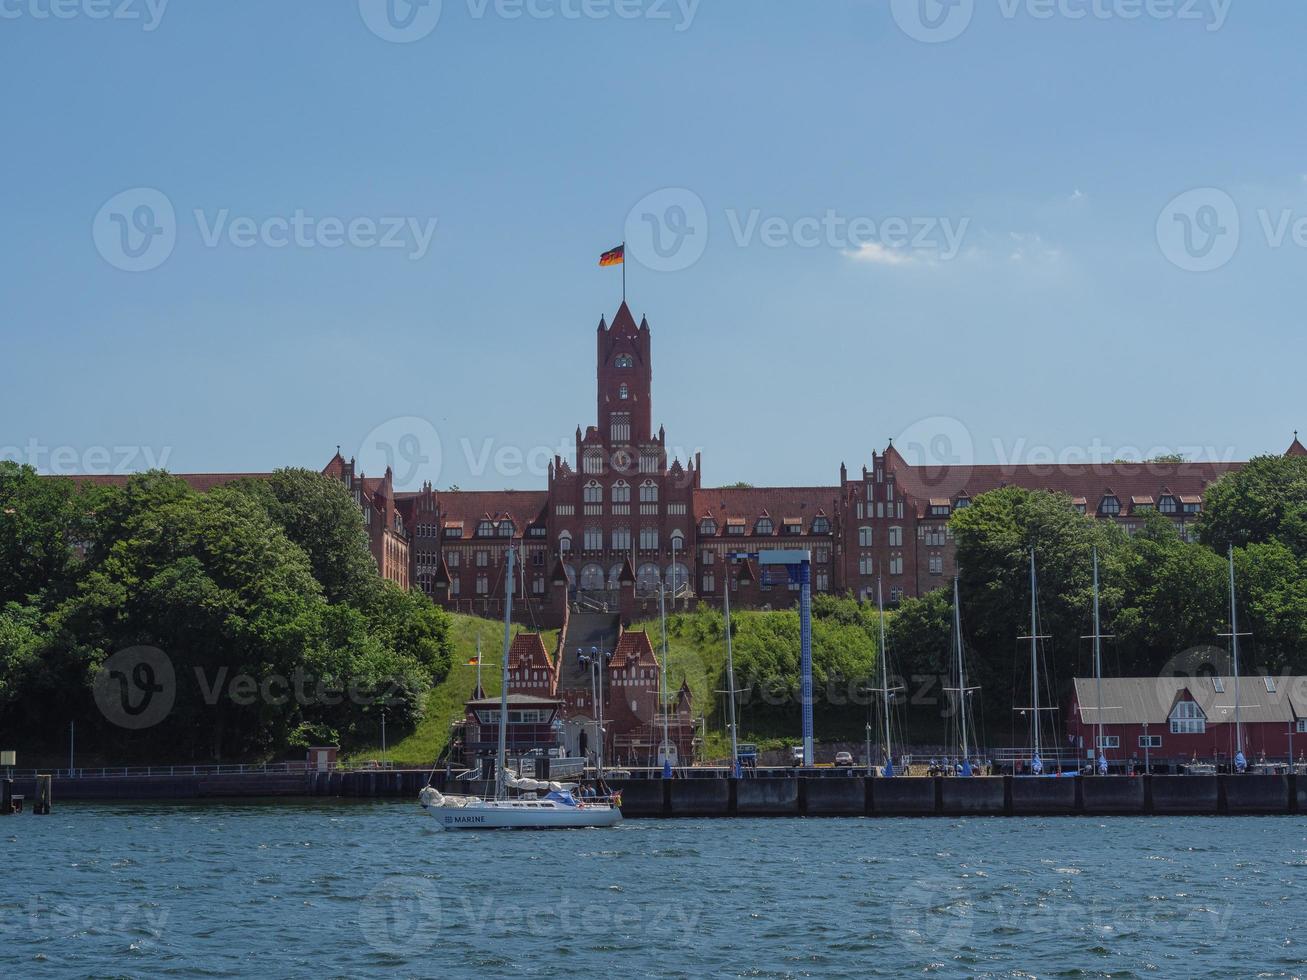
x: 1043, y: 302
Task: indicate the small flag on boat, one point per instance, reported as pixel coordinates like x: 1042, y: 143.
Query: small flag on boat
x: 614, y: 256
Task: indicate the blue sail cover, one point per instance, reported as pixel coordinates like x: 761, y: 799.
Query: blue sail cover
x: 1240, y: 763
x: 1037, y: 765
x: 966, y: 767
x: 889, y: 769
x: 1102, y: 764
x: 561, y: 797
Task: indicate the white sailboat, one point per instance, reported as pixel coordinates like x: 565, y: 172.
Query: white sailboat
x: 558, y: 808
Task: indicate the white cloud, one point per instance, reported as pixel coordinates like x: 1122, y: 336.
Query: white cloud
x: 877, y: 254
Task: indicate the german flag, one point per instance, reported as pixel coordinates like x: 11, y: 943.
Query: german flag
x: 615, y: 256
x: 474, y: 661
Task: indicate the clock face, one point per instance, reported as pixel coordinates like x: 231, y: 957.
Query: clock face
x: 621, y: 459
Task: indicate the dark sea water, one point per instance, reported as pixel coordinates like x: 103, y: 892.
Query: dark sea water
x: 372, y: 889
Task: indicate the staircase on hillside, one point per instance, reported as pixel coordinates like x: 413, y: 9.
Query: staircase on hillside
x: 585, y: 630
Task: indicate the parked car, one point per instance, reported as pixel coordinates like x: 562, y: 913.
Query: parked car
x: 843, y: 759
x: 796, y: 755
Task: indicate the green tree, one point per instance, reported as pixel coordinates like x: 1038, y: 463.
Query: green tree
x: 37, y: 532
x: 320, y: 516
x: 1261, y: 502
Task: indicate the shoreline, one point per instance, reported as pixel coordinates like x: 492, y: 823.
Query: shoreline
x: 793, y: 796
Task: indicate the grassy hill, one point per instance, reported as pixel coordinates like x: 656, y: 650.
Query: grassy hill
x: 444, y: 703
x: 696, y: 656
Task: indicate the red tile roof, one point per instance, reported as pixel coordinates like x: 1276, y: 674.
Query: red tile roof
x: 528, y: 651
x: 633, y: 649
x: 736, y: 505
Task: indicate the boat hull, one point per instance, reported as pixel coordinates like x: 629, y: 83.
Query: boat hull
x: 499, y: 816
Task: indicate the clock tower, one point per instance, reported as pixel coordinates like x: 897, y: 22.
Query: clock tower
x: 625, y: 381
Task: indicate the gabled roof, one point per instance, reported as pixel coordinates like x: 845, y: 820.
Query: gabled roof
x: 732, y: 506
x: 528, y: 652
x: 1135, y: 700
x: 633, y: 650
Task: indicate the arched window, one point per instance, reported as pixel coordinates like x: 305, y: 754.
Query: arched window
x: 678, y: 540
x: 623, y: 392
x: 621, y: 492
x: 647, y: 577
x: 592, y: 578
x: 677, y: 576
x: 624, y: 361
x: 615, y: 576
x: 648, y: 492
x: 593, y: 493
x: 565, y: 542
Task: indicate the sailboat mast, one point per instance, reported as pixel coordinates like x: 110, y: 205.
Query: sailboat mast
x: 662, y: 676
x: 1234, y: 651
x: 1098, y: 662
x: 730, y: 671
x: 962, y: 677
x: 502, y: 758
x: 1034, y: 656
x: 884, y: 670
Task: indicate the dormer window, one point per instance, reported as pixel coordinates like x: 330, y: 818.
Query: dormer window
x: 962, y: 504
x: 793, y: 527
x: 708, y: 527
x: 820, y: 525
x: 763, y: 526
x: 486, y: 529
x: 624, y: 361
x: 505, y: 528
x: 1110, y: 506
x: 1168, y: 505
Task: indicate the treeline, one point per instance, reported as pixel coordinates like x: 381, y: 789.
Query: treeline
x: 1164, y: 600
x: 1164, y: 604
x: 272, y: 627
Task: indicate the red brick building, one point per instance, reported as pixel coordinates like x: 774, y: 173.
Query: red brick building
x: 1182, y: 718
x: 621, y: 503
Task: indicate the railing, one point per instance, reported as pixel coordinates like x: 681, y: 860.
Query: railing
x: 119, y: 772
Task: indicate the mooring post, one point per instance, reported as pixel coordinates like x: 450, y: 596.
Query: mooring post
x: 42, y: 807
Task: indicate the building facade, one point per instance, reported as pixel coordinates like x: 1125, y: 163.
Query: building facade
x: 621, y: 501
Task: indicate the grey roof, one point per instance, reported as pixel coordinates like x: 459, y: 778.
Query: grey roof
x: 1135, y: 700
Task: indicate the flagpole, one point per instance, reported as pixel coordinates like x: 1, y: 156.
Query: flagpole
x: 623, y: 271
